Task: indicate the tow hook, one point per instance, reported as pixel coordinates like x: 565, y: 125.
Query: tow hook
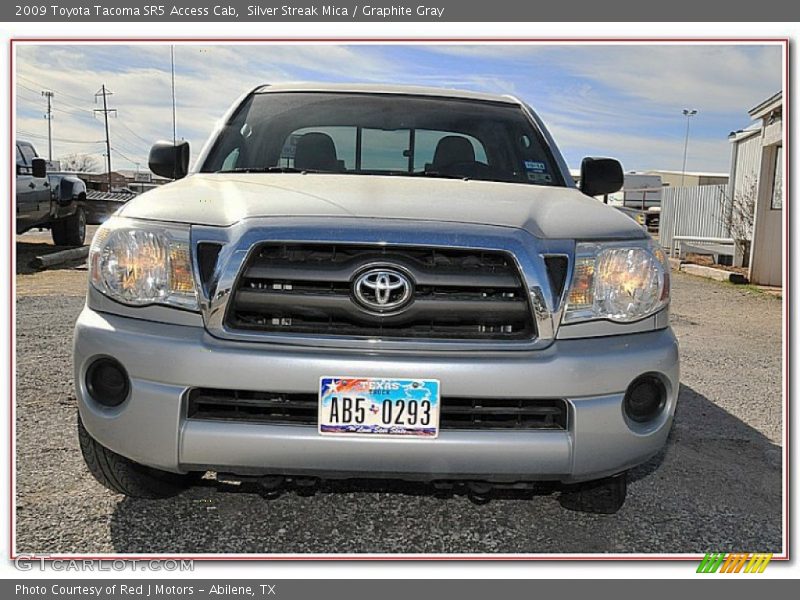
x: 479, y: 492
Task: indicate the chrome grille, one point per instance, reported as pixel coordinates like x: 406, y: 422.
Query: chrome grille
x: 309, y: 289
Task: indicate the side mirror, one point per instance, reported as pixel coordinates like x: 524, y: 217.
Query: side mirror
x: 601, y: 176
x: 168, y: 160
x: 39, y: 167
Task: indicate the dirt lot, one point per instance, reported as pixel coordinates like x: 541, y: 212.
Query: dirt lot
x: 69, y: 279
x: 716, y: 487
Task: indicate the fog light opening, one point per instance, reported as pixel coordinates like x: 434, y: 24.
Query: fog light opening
x: 107, y: 382
x: 645, y: 398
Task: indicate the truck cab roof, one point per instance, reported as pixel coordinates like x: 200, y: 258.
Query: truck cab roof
x: 367, y: 88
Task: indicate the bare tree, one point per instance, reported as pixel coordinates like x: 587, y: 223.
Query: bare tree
x: 79, y: 163
x: 738, y: 216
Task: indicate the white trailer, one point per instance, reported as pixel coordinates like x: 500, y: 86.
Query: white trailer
x: 643, y: 193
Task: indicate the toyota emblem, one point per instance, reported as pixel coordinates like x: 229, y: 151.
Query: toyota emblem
x: 382, y: 289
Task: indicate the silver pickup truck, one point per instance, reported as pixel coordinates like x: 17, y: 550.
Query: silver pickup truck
x: 379, y: 282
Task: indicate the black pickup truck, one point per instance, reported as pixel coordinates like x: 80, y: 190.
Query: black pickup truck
x: 49, y: 200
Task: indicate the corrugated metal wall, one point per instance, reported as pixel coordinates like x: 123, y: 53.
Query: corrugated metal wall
x: 748, y: 162
x: 694, y: 211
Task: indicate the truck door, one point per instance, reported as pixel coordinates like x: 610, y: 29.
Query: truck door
x: 33, y: 193
x: 27, y: 203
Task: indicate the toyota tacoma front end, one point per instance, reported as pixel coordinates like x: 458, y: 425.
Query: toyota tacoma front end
x: 376, y: 282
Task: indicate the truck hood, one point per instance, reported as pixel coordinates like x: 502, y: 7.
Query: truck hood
x: 222, y: 199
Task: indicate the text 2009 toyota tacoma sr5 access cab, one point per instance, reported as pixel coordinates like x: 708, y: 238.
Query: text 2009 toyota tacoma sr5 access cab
x: 375, y: 282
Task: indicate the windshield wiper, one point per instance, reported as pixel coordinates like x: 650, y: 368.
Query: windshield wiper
x: 437, y: 174
x: 272, y: 169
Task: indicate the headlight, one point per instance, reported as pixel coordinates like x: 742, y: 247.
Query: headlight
x: 619, y: 282
x: 139, y: 263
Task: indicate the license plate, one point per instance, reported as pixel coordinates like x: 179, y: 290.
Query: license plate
x: 374, y: 406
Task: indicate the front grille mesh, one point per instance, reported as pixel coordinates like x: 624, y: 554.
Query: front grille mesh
x: 301, y: 409
x: 307, y: 289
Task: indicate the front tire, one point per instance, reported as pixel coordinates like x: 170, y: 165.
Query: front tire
x: 70, y: 231
x: 123, y: 476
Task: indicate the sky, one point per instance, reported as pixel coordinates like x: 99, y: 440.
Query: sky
x: 624, y: 101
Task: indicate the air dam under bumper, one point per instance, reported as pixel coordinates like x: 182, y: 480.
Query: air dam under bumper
x: 164, y: 361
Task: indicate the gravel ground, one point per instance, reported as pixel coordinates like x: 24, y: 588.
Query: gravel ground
x: 716, y: 487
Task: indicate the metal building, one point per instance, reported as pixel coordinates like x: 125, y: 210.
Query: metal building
x: 757, y: 165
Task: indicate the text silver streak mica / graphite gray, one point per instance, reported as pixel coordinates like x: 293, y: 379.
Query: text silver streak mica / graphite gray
x: 400, y: 234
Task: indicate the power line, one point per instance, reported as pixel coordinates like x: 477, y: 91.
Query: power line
x: 31, y: 90
x: 105, y: 110
x: 87, y: 113
x: 75, y: 106
x: 128, y: 158
x: 84, y: 112
x: 130, y: 145
x: 126, y: 148
x: 135, y: 143
x: 36, y: 83
x: 58, y: 141
x: 49, y: 95
x: 134, y: 133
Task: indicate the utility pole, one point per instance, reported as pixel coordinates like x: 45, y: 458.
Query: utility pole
x: 174, y: 119
x: 688, y: 113
x: 105, y: 110
x: 49, y: 116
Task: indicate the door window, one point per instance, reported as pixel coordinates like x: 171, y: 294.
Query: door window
x: 777, y: 181
x: 28, y: 154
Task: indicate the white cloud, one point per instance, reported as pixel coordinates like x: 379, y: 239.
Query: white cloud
x: 727, y: 77
x: 208, y: 80
x: 643, y: 152
x: 623, y: 100
x: 724, y: 78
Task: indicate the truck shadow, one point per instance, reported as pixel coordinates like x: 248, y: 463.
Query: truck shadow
x: 716, y: 486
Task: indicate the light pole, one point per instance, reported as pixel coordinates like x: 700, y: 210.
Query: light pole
x: 174, y: 119
x: 688, y: 113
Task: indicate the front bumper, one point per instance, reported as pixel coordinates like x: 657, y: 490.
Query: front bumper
x: 164, y: 361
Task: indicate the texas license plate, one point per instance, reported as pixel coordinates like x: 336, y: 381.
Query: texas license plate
x: 373, y: 406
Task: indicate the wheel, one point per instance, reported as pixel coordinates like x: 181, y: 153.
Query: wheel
x: 604, y: 496
x: 124, y: 476
x: 70, y: 231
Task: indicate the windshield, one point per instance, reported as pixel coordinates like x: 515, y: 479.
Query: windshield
x: 374, y: 134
